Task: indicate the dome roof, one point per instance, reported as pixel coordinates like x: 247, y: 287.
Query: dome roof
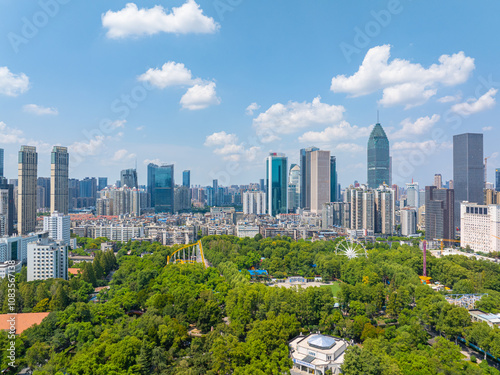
x: 321, y: 341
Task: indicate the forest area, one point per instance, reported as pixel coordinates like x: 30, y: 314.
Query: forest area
x: 144, y: 322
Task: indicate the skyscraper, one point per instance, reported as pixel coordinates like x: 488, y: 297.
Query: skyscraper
x: 439, y: 217
x: 305, y: 176
x: 59, y: 190
x: 497, y: 179
x: 161, y: 187
x: 186, y: 178
x: 129, y: 177
x: 58, y: 225
x: 468, y: 170
x: 319, y: 182
x: 438, y: 181
x: 26, y: 193
x: 102, y: 182
x: 277, y: 183
x: 294, y: 188
x: 43, y: 192
x: 6, y: 207
x: 334, y: 186
x: 412, y: 195
x: 1, y: 162
x: 378, y: 158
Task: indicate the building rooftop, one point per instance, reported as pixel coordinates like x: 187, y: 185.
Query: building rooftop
x: 23, y: 321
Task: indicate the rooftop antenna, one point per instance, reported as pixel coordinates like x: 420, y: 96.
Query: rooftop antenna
x: 378, y: 120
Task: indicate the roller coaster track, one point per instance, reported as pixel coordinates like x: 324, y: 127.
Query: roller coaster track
x: 192, y: 253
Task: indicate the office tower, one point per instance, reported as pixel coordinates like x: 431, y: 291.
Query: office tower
x: 58, y: 225
x: 319, y: 180
x: 369, y: 213
x: 412, y: 195
x: 182, y: 201
x: 128, y: 177
x: 355, y: 197
x: 1, y: 162
x: 118, y: 184
x: 336, y: 214
x: 480, y: 227
x: 47, y: 260
x: 59, y: 169
x: 88, y: 187
x: 294, y: 188
x: 26, y: 193
x: 215, y: 193
x: 254, y: 202
x: 468, y: 170
x: 491, y: 196
x: 74, y: 192
x: 277, y: 184
x: 384, y: 210
x: 408, y: 221
x: 161, y: 187
x: 334, y: 185
x: 438, y: 181
x: 263, y: 185
x: 6, y: 207
x: 43, y: 192
x: 439, y: 215
x: 305, y: 176
x: 378, y: 158
x: 497, y: 179
x: 186, y: 178
x: 102, y: 183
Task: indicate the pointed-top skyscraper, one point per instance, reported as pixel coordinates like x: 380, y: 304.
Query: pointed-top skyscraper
x: 378, y: 158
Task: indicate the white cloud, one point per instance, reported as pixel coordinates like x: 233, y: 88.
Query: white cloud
x: 450, y: 98
x: 403, y: 82
x: 228, y: 146
x: 349, y: 147
x: 122, y: 155
x: 134, y: 22
x: 118, y: 124
x: 10, y: 135
x: 170, y: 74
x: 251, y: 108
x: 200, y: 96
x: 152, y: 161
x: 426, y: 146
x: 344, y: 130
x: 293, y: 116
x: 40, y: 110
x: 13, y: 84
x: 139, y: 128
x: 487, y: 128
x: 90, y: 148
x: 420, y: 126
x: 471, y: 106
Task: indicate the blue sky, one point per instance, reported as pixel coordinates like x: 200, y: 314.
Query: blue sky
x: 214, y: 86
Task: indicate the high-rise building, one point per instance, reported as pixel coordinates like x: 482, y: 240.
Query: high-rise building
x: 412, y: 195
x: 74, y: 192
x: 384, y: 210
x: 336, y: 214
x: 58, y: 225
x: 43, y: 192
x: 378, y: 158
x: 497, y: 179
x: 254, y: 202
x: 294, y: 188
x: 1, y: 162
x: 59, y: 190
x: 6, y: 207
x: 88, y: 188
x: 334, y: 185
x: 215, y: 193
x: 468, y: 170
x: 161, y: 186
x: 319, y: 182
x: 182, y: 201
x: 408, y: 221
x: 438, y: 181
x: 305, y: 176
x: 26, y: 193
x: 102, y: 182
x: 128, y: 177
x: 47, y: 260
x: 277, y: 184
x: 186, y: 178
x: 263, y: 185
x: 439, y: 216
x: 480, y: 227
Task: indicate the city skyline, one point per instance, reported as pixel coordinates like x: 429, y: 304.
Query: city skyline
x: 191, y: 111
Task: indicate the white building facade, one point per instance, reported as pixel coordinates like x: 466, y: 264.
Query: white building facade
x: 47, y: 260
x: 58, y: 225
x: 480, y: 227
x: 254, y: 202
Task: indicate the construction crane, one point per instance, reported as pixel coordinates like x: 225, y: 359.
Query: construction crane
x: 443, y: 241
x: 486, y: 170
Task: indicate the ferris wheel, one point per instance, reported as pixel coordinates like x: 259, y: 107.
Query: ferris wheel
x: 351, y: 249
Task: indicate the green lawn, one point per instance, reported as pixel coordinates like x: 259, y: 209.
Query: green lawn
x: 335, y: 287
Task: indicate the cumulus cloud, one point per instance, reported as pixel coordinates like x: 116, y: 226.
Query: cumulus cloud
x: 13, y: 84
x: 122, y: 155
x: 200, y: 96
x: 118, y: 124
x: 152, y: 161
x: 403, y: 82
x: 251, y: 108
x: 170, y: 74
x: 344, y: 130
x: 10, y: 135
x: 349, y: 147
x: 134, y: 22
x: 471, y: 106
x: 426, y: 146
x: 229, y: 147
x: 418, y: 127
x: 487, y: 128
x: 450, y: 98
x: 288, y: 118
x: 93, y: 147
x: 40, y: 110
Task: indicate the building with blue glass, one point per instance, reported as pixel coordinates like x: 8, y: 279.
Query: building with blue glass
x: 186, y: 179
x: 379, y: 162
x: 277, y: 184
x: 161, y: 187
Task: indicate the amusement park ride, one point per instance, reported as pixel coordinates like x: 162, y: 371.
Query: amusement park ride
x: 192, y: 253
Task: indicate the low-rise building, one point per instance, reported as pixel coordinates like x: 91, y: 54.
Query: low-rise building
x: 318, y: 353
x: 47, y: 260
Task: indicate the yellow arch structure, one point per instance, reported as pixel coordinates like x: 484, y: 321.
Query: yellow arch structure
x: 179, y: 256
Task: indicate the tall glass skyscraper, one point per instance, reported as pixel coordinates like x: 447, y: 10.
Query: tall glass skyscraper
x: 378, y: 158
x: 468, y: 170
x: 59, y: 190
x: 26, y: 191
x: 186, y: 179
x: 497, y: 179
x: 102, y: 183
x: 161, y: 187
x: 129, y: 177
x: 305, y: 176
x: 1, y: 162
x: 277, y: 183
x: 333, y: 179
